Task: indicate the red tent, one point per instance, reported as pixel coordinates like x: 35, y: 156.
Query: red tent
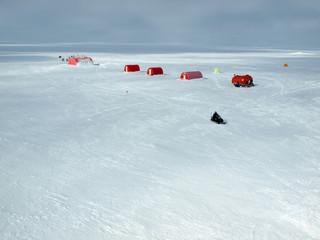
x: 155, y: 71
x: 132, y: 68
x: 76, y: 60
x: 243, y: 81
x: 191, y: 75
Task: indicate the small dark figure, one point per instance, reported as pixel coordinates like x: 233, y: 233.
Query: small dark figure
x: 216, y: 118
x: 60, y: 57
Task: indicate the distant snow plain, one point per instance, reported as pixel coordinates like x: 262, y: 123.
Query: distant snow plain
x: 91, y: 152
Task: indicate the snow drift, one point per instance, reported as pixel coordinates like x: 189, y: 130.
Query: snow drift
x: 94, y: 153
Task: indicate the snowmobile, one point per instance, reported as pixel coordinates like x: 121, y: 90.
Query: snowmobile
x: 216, y: 118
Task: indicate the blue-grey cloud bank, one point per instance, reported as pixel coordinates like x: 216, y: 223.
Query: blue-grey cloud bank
x: 203, y: 22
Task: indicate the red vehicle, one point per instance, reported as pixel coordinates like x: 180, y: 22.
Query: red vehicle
x: 242, y: 81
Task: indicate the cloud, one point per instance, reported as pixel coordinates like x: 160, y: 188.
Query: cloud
x: 203, y: 21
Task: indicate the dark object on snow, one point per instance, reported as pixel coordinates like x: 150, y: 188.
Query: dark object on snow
x: 216, y: 118
x: 60, y: 57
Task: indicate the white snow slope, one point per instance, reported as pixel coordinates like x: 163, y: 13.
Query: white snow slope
x: 91, y: 152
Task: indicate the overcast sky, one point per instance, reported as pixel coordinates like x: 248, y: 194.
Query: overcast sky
x: 207, y: 22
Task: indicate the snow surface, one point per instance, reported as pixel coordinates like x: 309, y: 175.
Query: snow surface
x: 91, y: 152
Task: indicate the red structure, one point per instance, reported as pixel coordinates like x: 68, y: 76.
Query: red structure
x: 132, y: 68
x: 155, y: 71
x: 191, y: 75
x: 242, y: 81
x: 76, y: 60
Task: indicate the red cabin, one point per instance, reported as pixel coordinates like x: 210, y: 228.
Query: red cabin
x: 242, y: 81
x: 191, y: 75
x: 76, y: 60
x: 155, y: 71
x: 132, y: 68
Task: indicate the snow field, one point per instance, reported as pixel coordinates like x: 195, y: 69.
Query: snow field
x: 91, y: 152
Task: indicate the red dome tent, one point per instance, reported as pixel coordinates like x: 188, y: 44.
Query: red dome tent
x: 76, y: 60
x: 242, y: 81
x: 191, y: 75
x: 155, y: 71
x: 132, y: 68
